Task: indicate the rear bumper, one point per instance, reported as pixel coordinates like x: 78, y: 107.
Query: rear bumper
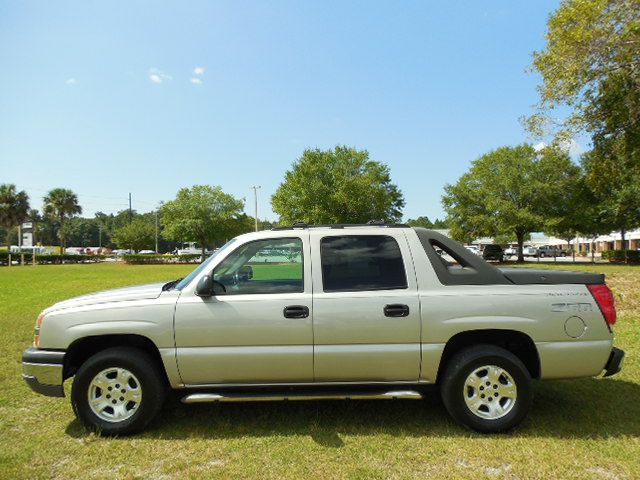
x: 42, y: 370
x: 614, y: 364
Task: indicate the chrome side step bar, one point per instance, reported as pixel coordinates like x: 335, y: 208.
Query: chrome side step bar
x: 293, y: 396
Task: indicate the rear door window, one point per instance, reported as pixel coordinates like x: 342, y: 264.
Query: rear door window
x: 361, y: 262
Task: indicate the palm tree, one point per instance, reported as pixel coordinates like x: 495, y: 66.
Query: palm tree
x: 13, y: 207
x: 60, y: 204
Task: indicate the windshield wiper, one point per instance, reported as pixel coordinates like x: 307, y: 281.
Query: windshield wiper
x: 171, y: 284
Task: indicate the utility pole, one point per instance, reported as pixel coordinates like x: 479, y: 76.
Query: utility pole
x: 129, y: 207
x: 156, y: 231
x: 255, y: 202
x: 100, y: 235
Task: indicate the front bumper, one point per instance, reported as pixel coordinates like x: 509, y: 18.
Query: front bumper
x: 614, y: 364
x: 42, y: 370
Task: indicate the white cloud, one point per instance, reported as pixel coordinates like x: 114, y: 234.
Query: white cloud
x: 71, y: 81
x: 196, y: 80
x: 158, y: 76
x: 574, y: 148
x: 198, y: 71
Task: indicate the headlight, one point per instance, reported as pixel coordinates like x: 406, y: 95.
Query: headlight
x: 36, y: 333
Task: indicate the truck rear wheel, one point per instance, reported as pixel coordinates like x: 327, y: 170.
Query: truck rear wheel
x: 118, y: 391
x: 486, y: 388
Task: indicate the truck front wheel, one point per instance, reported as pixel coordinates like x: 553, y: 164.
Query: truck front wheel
x: 118, y: 391
x: 486, y: 388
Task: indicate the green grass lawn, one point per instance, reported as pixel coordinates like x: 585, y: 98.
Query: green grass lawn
x: 588, y: 428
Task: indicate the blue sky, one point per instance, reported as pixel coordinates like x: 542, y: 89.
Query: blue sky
x: 108, y: 98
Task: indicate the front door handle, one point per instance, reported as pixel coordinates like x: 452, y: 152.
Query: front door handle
x: 296, y: 311
x: 396, y: 310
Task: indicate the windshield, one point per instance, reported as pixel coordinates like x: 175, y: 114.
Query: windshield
x: 186, y: 280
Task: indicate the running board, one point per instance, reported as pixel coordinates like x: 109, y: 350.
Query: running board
x: 293, y: 396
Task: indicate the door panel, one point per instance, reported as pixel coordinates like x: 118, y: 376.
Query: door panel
x: 245, y: 337
x: 365, y: 335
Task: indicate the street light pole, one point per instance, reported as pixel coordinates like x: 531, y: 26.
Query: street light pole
x: 255, y: 201
x: 156, y: 231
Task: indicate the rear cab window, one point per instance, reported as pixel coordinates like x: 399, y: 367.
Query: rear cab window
x: 361, y: 263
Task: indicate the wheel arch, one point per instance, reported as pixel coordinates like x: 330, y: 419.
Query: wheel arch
x: 517, y: 342
x: 83, y: 348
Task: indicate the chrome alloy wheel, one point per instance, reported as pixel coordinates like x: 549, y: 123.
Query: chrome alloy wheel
x: 490, y: 392
x: 114, y: 394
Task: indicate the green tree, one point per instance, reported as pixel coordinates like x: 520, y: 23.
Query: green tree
x: 508, y: 191
x: 576, y: 210
x: 422, y: 221
x: 614, y: 180
x: 337, y: 186
x: 203, y: 214
x: 137, y: 235
x: 14, y: 207
x: 59, y: 205
x: 591, y: 65
x: 591, y: 52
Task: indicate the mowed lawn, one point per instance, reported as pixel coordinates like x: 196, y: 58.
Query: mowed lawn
x: 587, y: 428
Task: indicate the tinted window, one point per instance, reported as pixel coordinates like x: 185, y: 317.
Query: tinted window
x: 361, y: 262
x: 263, y: 266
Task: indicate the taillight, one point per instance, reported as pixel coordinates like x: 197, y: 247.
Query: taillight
x: 605, y: 300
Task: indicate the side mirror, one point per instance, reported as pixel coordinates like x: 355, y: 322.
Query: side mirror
x: 205, y: 286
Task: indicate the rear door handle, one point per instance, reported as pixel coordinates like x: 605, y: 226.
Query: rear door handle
x: 396, y: 310
x: 296, y: 311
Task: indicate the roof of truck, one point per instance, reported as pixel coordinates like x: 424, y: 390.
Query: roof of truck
x: 371, y: 223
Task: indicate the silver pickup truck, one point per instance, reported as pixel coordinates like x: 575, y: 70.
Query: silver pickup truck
x: 327, y: 312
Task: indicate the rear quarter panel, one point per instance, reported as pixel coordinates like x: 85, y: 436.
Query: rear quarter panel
x: 539, y: 311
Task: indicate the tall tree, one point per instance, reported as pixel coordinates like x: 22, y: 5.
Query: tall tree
x: 510, y: 190
x: 203, y: 214
x: 576, y: 211
x: 615, y: 182
x: 591, y: 64
x: 337, y: 186
x: 137, y: 235
x: 591, y: 52
x: 14, y: 207
x: 59, y: 205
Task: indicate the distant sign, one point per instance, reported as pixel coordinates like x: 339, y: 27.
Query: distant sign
x: 27, y: 225
x: 27, y: 239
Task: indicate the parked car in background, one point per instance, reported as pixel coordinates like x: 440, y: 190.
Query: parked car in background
x: 37, y: 249
x: 146, y: 252
x: 527, y: 251
x: 493, y: 252
x: 550, y: 251
x: 473, y: 249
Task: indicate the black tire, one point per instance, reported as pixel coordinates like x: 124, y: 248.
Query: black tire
x: 542, y: 254
x: 462, y: 365
x: 151, y: 382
